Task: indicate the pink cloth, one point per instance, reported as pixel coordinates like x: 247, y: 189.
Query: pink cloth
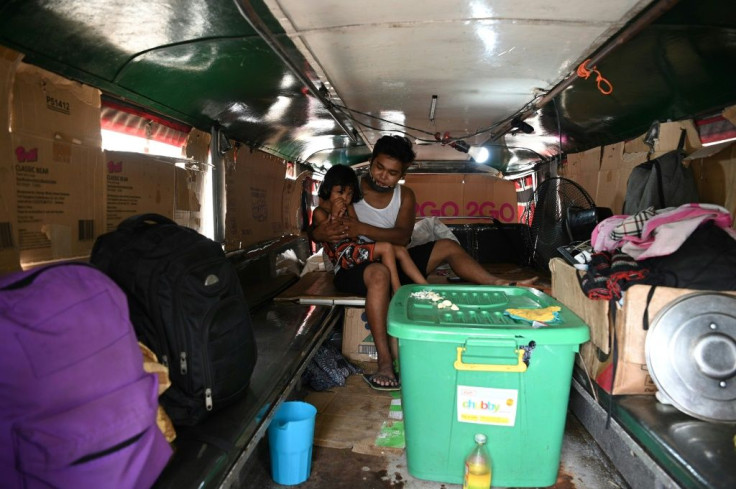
x: 664, y: 233
x: 600, y: 238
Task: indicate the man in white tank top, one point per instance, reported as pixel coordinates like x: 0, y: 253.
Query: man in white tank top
x: 387, y: 213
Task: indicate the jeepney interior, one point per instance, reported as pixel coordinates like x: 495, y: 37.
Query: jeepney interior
x: 224, y: 115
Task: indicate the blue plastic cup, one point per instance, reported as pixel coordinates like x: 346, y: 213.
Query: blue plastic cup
x: 290, y: 437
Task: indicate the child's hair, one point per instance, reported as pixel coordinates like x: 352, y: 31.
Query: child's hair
x: 343, y: 176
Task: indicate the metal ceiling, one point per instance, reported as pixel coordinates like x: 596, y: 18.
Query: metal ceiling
x: 322, y: 80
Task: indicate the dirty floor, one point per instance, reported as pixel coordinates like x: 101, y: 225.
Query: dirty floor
x: 345, y: 454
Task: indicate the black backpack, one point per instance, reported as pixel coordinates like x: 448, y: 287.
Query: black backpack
x: 187, y: 305
x: 660, y: 183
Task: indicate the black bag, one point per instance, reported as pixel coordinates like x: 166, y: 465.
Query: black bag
x: 660, y: 183
x: 187, y: 305
x: 705, y: 261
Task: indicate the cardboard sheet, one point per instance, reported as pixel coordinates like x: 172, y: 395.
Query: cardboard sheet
x: 461, y: 198
x: 583, y: 168
x: 137, y: 183
x: 357, y: 339
x: 353, y: 417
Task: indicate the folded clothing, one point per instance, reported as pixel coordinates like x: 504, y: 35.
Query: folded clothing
x: 545, y: 315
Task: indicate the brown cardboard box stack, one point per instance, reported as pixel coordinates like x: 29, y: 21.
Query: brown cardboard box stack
x: 58, y: 190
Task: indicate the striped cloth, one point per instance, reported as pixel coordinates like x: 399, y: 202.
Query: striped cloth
x: 633, y: 225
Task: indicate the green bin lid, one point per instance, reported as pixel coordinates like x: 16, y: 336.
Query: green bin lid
x: 452, y: 313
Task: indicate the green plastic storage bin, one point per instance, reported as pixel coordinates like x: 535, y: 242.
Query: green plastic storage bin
x: 467, y: 367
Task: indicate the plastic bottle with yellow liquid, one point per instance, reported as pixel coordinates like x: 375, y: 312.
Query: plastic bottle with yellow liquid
x: 478, y: 466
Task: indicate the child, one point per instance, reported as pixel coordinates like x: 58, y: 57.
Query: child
x: 338, y: 192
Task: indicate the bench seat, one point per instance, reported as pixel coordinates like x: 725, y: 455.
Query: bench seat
x: 211, y: 453
x: 287, y: 335
x: 656, y: 445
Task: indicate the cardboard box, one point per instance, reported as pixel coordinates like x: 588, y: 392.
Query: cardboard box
x: 596, y: 354
x: 632, y: 374
x: 188, y: 211
x: 9, y: 62
x: 51, y: 165
x: 595, y: 313
x: 137, y: 183
x: 59, y: 195
x: 357, y: 341
x: 255, y: 195
x: 52, y: 107
x: 9, y: 256
x: 198, y: 145
x: 729, y: 113
x: 463, y: 198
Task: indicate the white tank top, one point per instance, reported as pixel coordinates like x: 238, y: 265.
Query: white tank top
x: 381, y: 218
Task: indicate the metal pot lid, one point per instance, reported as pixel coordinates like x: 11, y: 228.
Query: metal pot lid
x: 691, y: 355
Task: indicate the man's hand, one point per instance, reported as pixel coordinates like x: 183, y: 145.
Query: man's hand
x: 330, y: 230
x: 352, y: 227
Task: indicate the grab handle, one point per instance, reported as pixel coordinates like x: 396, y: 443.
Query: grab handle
x: 520, y: 365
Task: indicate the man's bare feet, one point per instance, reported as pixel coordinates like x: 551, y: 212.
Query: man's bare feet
x: 521, y: 283
x: 382, y: 382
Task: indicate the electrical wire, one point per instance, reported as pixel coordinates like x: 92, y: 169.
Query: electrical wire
x: 402, y: 129
x: 348, y: 112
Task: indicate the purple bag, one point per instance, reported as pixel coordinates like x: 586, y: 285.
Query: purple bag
x: 76, y: 407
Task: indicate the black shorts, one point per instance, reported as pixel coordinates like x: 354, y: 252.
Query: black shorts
x: 351, y: 280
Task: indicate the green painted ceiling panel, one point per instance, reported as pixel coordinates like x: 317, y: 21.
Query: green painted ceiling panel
x: 201, y: 63
x: 675, y: 69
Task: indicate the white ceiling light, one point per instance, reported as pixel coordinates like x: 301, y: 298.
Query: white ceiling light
x: 480, y: 154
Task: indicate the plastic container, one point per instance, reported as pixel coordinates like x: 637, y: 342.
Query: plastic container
x: 473, y: 369
x: 290, y: 438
